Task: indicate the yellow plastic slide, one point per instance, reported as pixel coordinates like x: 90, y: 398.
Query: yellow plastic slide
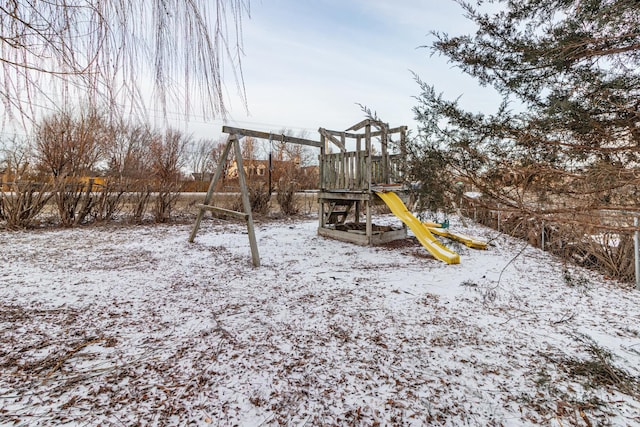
x: 423, y: 234
x: 460, y: 237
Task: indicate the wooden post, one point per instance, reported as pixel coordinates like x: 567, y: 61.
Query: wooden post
x: 384, y: 163
x: 367, y: 203
x: 359, y: 170
x: 369, y: 225
x: 403, y: 153
x: 247, y: 205
x: 368, y: 149
x: 322, y: 183
x: 636, y: 250
x: 321, y: 162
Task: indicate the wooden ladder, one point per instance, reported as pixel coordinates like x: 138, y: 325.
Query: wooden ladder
x: 339, y: 216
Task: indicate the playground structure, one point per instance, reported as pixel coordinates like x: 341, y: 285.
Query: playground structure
x: 349, y: 180
x: 351, y: 183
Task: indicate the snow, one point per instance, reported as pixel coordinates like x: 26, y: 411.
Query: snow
x: 134, y: 325
x: 473, y: 194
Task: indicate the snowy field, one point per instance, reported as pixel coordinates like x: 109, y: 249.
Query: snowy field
x: 121, y: 326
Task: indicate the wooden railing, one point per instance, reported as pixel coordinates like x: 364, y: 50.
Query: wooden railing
x: 386, y: 170
x: 354, y: 171
x: 344, y: 171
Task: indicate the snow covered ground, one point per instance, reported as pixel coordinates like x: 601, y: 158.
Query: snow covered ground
x: 135, y: 326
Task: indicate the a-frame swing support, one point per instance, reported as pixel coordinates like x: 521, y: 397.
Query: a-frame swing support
x: 235, y: 134
x: 232, y: 142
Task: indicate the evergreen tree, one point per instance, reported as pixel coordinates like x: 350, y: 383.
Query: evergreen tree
x: 567, y: 137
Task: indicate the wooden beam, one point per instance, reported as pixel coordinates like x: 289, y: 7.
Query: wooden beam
x: 327, y: 196
x: 235, y: 214
x: 368, y: 122
x: 244, y: 189
x: 397, y: 129
x: 361, y: 135
x: 333, y: 139
x: 360, y: 125
x: 267, y: 135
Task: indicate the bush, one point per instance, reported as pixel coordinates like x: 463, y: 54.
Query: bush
x: 259, y: 199
x: 22, y: 203
x: 138, y: 200
x: 109, y: 201
x: 287, y: 199
x: 165, y: 202
x: 74, y: 200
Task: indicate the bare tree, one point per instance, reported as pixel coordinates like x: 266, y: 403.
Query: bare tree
x: 203, y: 156
x: 68, y: 148
x: 68, y: 145
x: 127, y: 175
x: 127, y: 151
x: 167, y: 157
x: 103, y: 51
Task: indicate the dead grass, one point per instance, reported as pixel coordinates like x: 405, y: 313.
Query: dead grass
x: 599, y: 370
x: 566, y: 387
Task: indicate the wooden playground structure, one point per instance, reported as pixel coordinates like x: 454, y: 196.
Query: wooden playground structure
x: 366, y: 169
x: 350, y: 180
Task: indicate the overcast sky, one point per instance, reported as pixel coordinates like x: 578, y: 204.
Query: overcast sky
x: 308, y: 63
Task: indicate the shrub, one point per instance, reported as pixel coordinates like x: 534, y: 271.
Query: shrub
x: 287, y: 199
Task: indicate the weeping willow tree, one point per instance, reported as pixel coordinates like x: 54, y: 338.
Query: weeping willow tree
x: 146, y: 53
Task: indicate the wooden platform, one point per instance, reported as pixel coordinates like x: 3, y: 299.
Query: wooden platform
x: 358, y: 235
x: 360, y: 206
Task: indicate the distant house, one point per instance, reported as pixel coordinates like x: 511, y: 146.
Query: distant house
x: 252, y: 168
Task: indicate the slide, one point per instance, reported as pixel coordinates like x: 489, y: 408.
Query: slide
x: 463, y: 238
x: 423, y: 234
